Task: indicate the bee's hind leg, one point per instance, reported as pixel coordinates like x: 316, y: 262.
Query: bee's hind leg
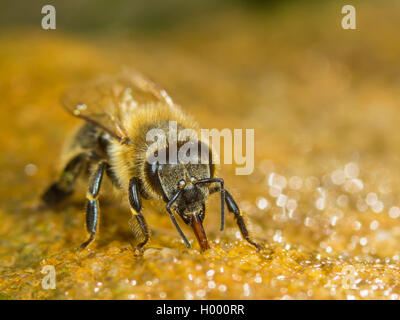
x: 92, y: 204
x: 64, y: 187
x: 136, y: 208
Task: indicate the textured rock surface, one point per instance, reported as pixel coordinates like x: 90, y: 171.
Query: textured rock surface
x: 324, y: 106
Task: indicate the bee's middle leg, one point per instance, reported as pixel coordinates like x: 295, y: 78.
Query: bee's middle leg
x: 136, y: 208
x: 92, y: 204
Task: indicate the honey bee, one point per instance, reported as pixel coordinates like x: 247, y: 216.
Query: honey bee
x: 119, y: 111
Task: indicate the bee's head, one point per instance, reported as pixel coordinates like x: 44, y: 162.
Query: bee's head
x: 177, y: 184
x: 191, y: 207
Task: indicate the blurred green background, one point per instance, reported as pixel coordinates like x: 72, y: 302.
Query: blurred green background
x: 129, y: 16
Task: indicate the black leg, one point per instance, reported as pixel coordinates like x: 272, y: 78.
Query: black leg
x: 64, y: 187
x: 136, y: 208
x: 221, y: 189
x: 92, y: 204
x: 171, y: 215
x: 233, y: 207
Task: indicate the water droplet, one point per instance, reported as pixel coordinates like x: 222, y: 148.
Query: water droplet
x: 291, y: 204
x: 374, y: 225
x: 311, y: 182
x: 281, y: 201
x: 275, y: 191
x: 200, y: 293
x: 262, y: 203
x: 79, y: 108
x: 30, y: 169
x: 394, y: 212
x: 364, y: 293
x: 377, y: 207
x: 222, y: 288
x: 246, y: 290
x: 353, y: 185
x: 320, y: 204
x: 361, y: 205
x: 371, y: 198
x: 343, y: 200
x: 210, y: 273
x: 351, y: 170
x: 295, y: 183
x: 338, y: 177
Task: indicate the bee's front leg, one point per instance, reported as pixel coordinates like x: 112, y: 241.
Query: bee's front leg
x: 92, y: 204
x: 233, y: 207
x: 136, y: 208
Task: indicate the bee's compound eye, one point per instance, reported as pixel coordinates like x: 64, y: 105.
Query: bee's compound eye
x: 193, y: 180
x: 182, y: 184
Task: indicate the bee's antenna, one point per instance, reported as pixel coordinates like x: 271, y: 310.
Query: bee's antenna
x: 169, y: 204
x: 221, y: 182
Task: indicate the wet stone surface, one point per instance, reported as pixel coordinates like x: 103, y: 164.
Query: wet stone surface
x: 324, y: 195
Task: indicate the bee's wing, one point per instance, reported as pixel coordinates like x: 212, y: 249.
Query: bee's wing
x: 109, y: 100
